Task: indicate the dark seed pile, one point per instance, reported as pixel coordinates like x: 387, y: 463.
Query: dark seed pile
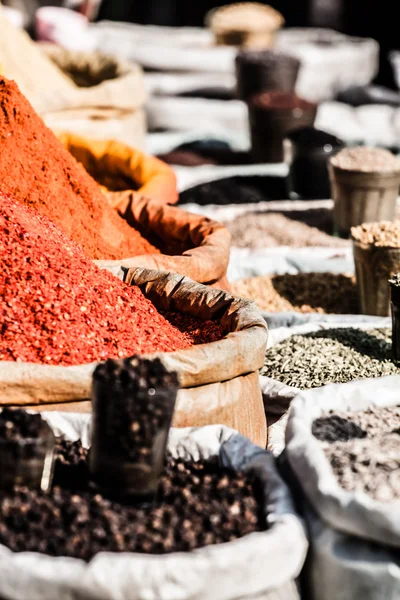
x: 134, y: 401
x: 237, y: 190
x: 17, y: 424
x: 364, y: 450
x: 202, y: 504
x: 336, y: 355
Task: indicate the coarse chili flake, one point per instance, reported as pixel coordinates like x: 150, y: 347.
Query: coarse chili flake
x: 36, y: 169
x: 58, y: 307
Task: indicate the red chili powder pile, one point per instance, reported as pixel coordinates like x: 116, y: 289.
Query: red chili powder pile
x: 36, y: 169
x: 58, y: 307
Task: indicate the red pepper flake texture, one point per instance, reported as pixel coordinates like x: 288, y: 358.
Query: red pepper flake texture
x: 58, y: 307
x: 36, y: 169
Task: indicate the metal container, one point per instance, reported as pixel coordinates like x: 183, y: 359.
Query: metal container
x: 374, y: 266
x: 264, y: 70
x: 362, y: 197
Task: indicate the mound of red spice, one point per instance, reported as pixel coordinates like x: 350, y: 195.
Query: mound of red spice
x: 36, y: 169
x: 58, y: 307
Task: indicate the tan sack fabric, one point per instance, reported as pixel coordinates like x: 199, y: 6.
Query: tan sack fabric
x: 120, y: 167
x: 219, y: 380
x: 22, y: 60
x: 197, y: 246
x: 98, y: 81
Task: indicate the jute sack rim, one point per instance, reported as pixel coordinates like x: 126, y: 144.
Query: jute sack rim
x: 258, y: 562
x: 239, y: 353
x: 126, y: 92
x: 207, y: 261
x: 353, y: 513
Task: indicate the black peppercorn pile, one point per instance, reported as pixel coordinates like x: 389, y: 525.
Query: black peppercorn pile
x: 199, y: 504
x: 17, y: 424
x: 336, y: 355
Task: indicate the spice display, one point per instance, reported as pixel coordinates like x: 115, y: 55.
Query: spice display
x: 269, y: 229
x: 366, y: 159
x: 365, y: 185
x: 133, y: 402
x: 236, y: 190
x: 57, y: 307
x: 364, y: 450
x: 303, y: 292
x: 201, y: 331
x: 26, y: 450
x: 245, y: 24
x: 272, y: 116
x: 37, y: 170
x: 376, y: 248
x: 201, y: 503
x: 336, y: 355
x: 185, y: 158
x: 276, y: 99
x: 385, y: 234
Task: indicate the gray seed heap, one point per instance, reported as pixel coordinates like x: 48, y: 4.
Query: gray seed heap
x: 364, y: 450
x: 336, y: 355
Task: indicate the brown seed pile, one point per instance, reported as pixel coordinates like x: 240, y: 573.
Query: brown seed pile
x: 304, y: 292
x: 385, y: 234
x: 269, y: 230
x: 200, y: 503
x: 367, y: 160
x: 364, y: 450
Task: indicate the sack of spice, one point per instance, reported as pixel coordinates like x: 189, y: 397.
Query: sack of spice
x: 343, y: 456
x: 194, y: 246
x: 312, y: 351
x: 227, y: 490
x: 36, y: 169
x: 34, y: 72
x: 106, y: 101
x: 61, y: 314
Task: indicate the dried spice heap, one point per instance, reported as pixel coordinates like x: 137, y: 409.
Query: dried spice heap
x: 385, y: 234
x: 202, y: 504
x: 269, y: 230
x: 367, y: 160
x: 36, y: 169
x: 57, y: 307
x: 334, y: 355
x: 364, y: 450
x: 303, y: 292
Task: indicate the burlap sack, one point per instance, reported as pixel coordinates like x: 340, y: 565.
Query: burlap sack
x: 22, y: 60
x: 261, y: 566
x: 198, y: 247
x: 106, y: 98
x: 219, y: 380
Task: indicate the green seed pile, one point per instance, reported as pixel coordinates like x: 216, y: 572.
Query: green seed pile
x: 336, y: 355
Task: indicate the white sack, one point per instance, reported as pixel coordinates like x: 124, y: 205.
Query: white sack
x: 260, y: 566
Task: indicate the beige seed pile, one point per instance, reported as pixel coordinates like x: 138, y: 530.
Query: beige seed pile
x: 304, y: 292
x: 268, y: 230
x: 244, y: 16
x: 368, y: 160
x: 384, y: 234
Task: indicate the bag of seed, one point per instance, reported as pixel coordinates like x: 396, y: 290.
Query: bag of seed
x: 314, y: 351
x: 216, y: 487
x: 343, y: 453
